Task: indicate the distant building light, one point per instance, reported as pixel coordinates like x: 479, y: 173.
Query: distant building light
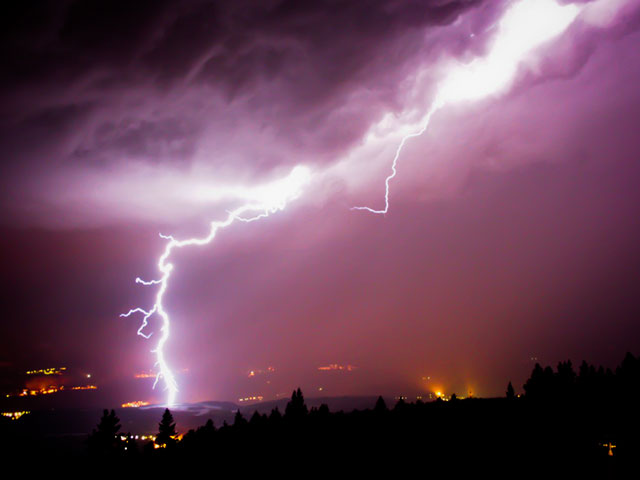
x: 43, y: 391
x: 15, y: 415
x: 255, y: 398
x: 136, y: 404
x: 255, y: 373
x: 47, y: 371
x: 336, y: 366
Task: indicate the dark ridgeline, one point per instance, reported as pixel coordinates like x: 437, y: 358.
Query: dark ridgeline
x: 560, y: 427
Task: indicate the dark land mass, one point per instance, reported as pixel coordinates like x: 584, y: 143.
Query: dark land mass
x: 568, y: 424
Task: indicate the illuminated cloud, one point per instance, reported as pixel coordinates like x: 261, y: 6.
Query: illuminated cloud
x: 160, y: 118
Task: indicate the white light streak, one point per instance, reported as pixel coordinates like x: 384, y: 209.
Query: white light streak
x: 525, y: 26
x: 265, y: 200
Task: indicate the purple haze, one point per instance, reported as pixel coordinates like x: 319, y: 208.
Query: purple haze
x: 513, y: 227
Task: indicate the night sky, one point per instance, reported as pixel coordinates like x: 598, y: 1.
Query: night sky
x: 513, y: 227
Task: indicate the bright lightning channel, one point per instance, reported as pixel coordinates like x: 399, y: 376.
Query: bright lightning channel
x: 263, y: 201
x: 525, y: 26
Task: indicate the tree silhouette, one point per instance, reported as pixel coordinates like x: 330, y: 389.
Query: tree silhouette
x: 534, y: 387
x: 296, y: 408
x: 275, y: 417
x: 239, y: 421
x: 381, y: 406
x: 105, y: 439
x: 400, y: 405
x: 565, y: 379
x: 209, y: 427
x: 166, y: 430
x: 511, y: 394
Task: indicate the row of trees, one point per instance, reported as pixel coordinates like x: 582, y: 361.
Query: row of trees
x: 522, y: 431
x: 106, y: 439
x: 588, y: 383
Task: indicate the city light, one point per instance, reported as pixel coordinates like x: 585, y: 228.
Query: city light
x: 15, y: 415
x: 335, y: 366
x: 47, y: 371
x: 136, y: 404
x: 253, y: 373
x: 256, y: 398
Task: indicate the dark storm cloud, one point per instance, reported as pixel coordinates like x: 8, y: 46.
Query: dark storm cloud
x: 95, y: 85
x: 65, y: 50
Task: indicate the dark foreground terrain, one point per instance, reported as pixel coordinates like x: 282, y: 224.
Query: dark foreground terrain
x: 567, y: 425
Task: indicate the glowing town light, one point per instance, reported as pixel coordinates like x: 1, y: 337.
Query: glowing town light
x: 47, y: 371
x: 262, y: 202
x: 335, y: 366
x: 15, y: 415
x: 136, y: 404
x: 525, y: 26
x: 254, y: 398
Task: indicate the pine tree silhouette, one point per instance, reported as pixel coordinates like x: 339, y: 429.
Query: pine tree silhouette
x: 275, y: 417
x: 296, y: 408
x: 166, y: 430
x: 381, y: 406
x: 105, y: 439
x: 511, y: 394
x: 239, y: 421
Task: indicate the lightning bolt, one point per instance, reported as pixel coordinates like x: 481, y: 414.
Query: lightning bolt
x: 262, y: 202
x: 525, y: 26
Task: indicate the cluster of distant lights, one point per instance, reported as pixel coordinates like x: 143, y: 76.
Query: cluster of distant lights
x: 335, y: 366
x: 47, y: 371
x: 48, y: 390
x: 526, y: 25
x: 31, y: 392
x: 253, y: 373
x: 15, y: 415
x: 136, y: 404
x: 253, y: 398
x: 124, y: 438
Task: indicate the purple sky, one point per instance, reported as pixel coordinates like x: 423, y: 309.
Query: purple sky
x: 514, y: 223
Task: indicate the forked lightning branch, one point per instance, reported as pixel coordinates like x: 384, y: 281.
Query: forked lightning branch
x: 526, y: 25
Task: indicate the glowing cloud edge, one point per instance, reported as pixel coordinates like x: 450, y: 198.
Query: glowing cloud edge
x: 274, y: 197
x: 518, y: 34
x: 525, y: 26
